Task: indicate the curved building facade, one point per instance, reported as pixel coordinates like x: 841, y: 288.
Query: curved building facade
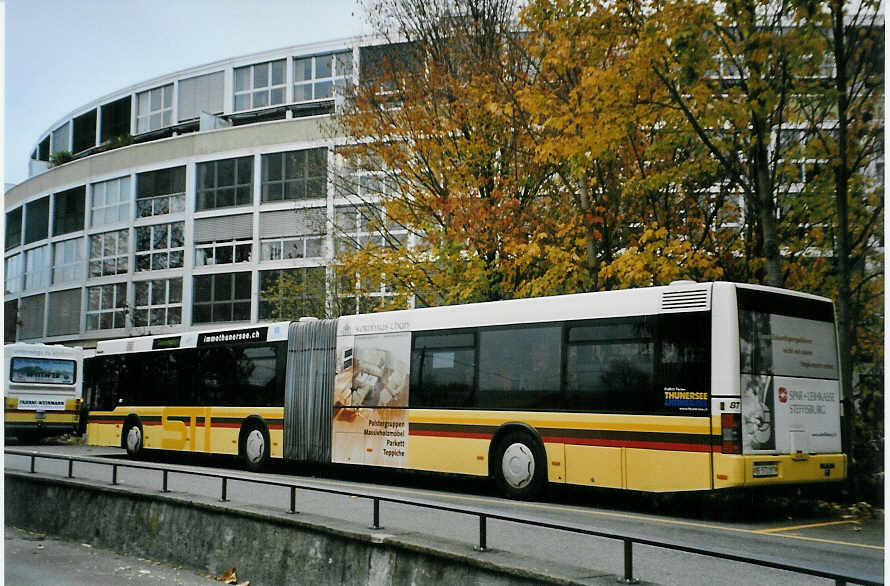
x: 170, y: 204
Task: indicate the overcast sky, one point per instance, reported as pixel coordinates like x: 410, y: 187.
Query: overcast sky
x: 62, y: 54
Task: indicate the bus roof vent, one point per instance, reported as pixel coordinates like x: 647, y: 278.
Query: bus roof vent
x: 687, y: 300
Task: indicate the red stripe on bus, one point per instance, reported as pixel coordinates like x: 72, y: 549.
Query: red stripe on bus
x: 672, y: 446
x: 677, y: 447
x: 468, y: 434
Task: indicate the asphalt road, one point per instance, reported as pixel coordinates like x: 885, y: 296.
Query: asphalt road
x: 833, y: 542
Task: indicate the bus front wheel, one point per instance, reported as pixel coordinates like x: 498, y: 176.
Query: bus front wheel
x: 254, y: 446
x: 134, y: 440
x: 519, y: 466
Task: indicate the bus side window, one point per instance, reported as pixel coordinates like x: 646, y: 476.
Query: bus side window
x: 520, y: 368
x: 443, y: 369
x: 610, y: 365
x: 685, y: 351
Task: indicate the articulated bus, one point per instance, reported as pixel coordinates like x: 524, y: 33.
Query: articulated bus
x: 42, y: 394
x: 677, y: 388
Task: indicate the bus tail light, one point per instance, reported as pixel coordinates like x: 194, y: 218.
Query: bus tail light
x: 730, y: 424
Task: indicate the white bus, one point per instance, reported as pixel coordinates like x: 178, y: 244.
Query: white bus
x: 42, y: 391
x: 693, y: 386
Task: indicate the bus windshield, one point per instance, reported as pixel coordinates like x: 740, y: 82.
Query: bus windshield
x: 789, y: 374
x: 42, y: 370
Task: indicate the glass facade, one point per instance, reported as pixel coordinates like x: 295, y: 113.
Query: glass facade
x: 260, y: 85
x: 295, y: 175
x: 221, y: 297
x: 154, y: 109
x: 157, y: 302
x: 224, y: 183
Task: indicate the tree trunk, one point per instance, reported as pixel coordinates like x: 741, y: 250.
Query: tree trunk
x: 846, y: 332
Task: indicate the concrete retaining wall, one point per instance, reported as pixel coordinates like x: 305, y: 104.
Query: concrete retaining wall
x: 265, y: 547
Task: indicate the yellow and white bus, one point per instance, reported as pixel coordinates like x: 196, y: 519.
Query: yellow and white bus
x: 683, y: 387
x: 42, y: 394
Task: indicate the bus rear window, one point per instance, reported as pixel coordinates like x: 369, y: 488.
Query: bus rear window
x: 785, y: 335
x: 42, y: 370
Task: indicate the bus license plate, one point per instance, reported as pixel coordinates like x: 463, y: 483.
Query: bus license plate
x: 40, y: 415
x: 765, y: 469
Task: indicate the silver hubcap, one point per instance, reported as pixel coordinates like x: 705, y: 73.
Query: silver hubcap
x: 255, y: 446
x: 134, y: 439
x: 518, y: 465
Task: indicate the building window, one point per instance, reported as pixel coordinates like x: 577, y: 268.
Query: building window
x: 221, y: 253
x: 14, y: 228
x: 36, y: 220
x: 64, y: 313
x: 157, y: 303
x: 292, y: 293
x: 159, y: 247
x: 160, y: 192
x: 61, y: 141
x: 68, y: 210
x: 259, y: 86
x: 295, y: 175
x: 68, y: 261
x: 115, y: 119
x: 222, y: 297
x: 107, y: 306
x: 32, y: 313
x: 13, y: 274
x: 111, y: 202
x: 283, y: 248
x: 203, y: 93
x: 358, y: 226
x: 37, y: 268
x: 10, y: 320
x: 316, y: 77
x: 84, y: 132
x: 226, y: 183
x: 154, y: 109
x: 109, y: 253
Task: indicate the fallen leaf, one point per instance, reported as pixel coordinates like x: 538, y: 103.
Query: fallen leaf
x: 229, y: 577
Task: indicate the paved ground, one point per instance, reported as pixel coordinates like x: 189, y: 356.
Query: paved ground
x: 38, y: 560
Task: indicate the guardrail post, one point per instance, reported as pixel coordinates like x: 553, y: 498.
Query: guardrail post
x: 293, y: 500
x: 222, y: 497
x: 114, y: 474
x: 629, y: 563
x: 70, y: 468
x: 483, y: 534
x: 164, y: 485
x: 376, y: 523
x: 32, y: 463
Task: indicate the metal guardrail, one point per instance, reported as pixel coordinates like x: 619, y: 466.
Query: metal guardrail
x: 628, y: 539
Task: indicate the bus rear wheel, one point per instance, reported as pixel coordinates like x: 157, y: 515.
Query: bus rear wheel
x: 134, y: 440
x: 253, y: 447
x: 519, y: 466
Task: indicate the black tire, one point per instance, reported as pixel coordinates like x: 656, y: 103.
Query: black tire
x: 519, y: 465
x: 133, y: 439
x: 253, y: 446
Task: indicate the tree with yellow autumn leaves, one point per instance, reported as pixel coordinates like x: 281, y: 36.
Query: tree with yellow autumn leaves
x: 562, y: 146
